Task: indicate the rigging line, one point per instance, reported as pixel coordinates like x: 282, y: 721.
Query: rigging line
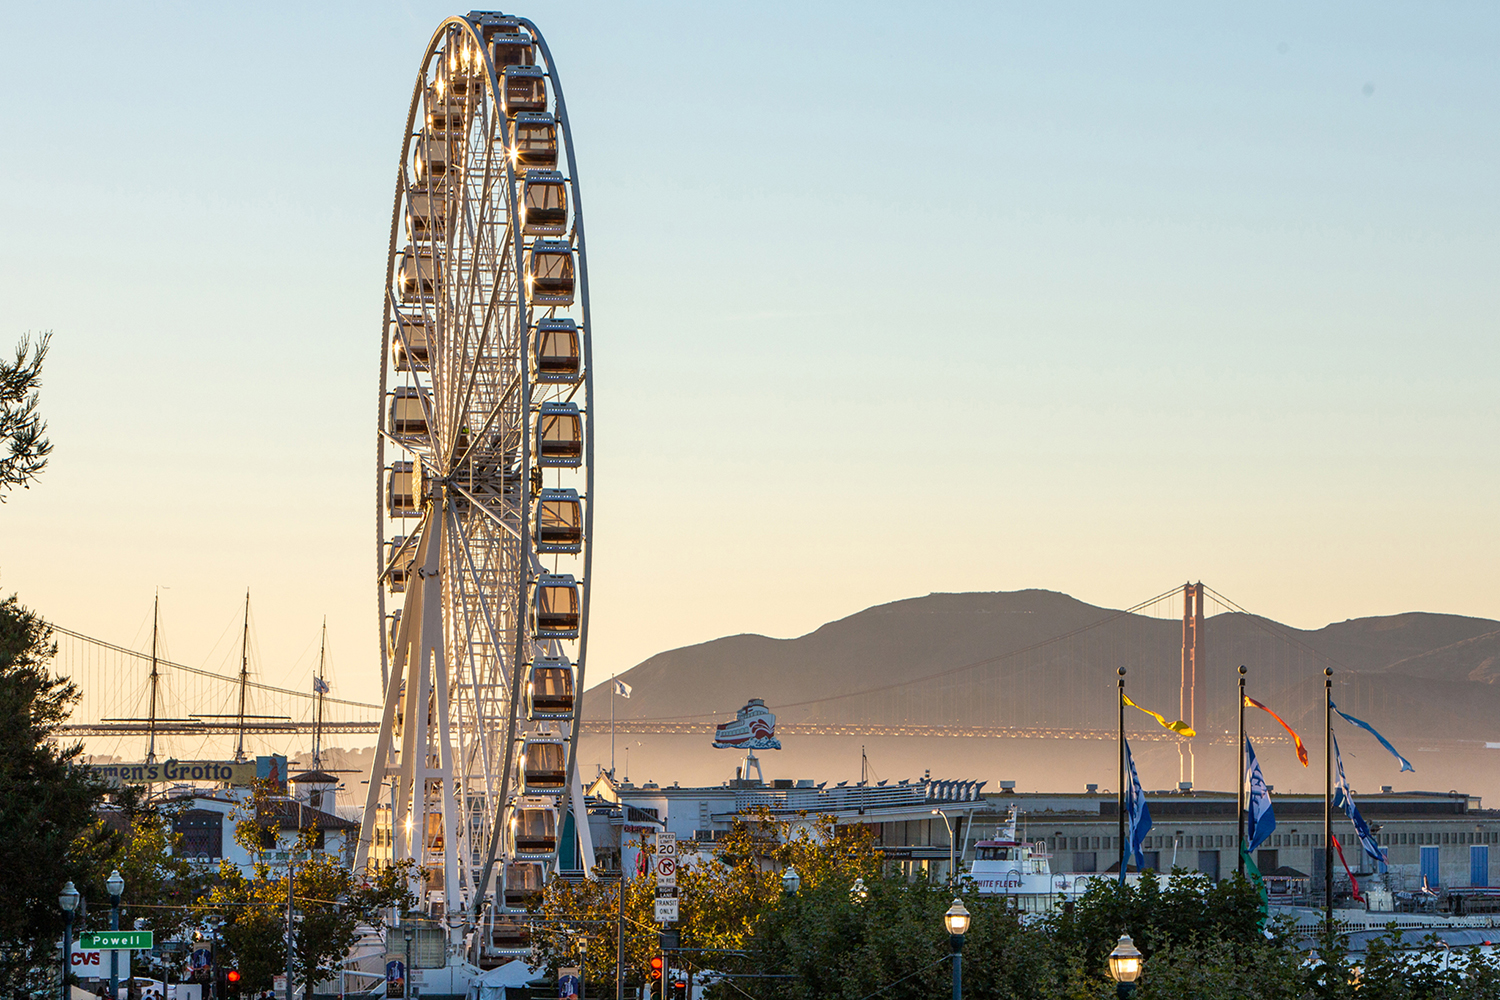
x: 1273, y: 628
x: 206, y: 673
x: 1114, y: 616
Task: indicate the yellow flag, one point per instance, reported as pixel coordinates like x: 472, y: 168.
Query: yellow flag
x: 1179, y: 727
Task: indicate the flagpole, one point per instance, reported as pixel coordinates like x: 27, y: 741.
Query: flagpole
x: 1328, y: 799
x: 614, y: 692
x: 1122, y: 775
x: 1240, y: 821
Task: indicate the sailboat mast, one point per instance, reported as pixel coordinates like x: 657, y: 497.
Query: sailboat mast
x: 320, y: 687
x: 239, y: 749
x: 155, y: 677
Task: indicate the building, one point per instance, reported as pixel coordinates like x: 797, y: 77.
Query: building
x: 206, y: 819
x: 1444, y: 837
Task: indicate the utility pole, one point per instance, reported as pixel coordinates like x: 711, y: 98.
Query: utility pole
x: 155, y: 677
x: 239, y: 748
x: 1121, y: 807
x: 291, y: 861
x: 1240, y: 815
x: 1328, y: 800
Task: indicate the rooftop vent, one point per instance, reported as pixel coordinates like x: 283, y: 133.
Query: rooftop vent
x: 1091, y: 789
x: 1007, y: 786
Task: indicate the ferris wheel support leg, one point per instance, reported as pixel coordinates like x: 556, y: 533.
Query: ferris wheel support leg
x: 380, y: 765
x: 581, y: 824
x: 410, y: 814
x: 454, y: 841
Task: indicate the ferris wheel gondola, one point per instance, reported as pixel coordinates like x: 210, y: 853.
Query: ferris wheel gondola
x: 484, y: 458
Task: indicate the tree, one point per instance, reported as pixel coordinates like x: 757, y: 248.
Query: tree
x: 46, y: 800
x: 331, y: 900
x: 21, y: 428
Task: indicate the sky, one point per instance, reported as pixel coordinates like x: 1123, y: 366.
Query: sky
x: 887, y: 300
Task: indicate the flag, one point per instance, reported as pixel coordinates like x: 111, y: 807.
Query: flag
x: 1253, y: 871
x: 320, y: 686
x: 1179, y: 727
x: 1405, y: 764
x: 1262, y: 819
x: 622, y: 689
x: 1345, y: 801
x: 1353, y: 882
x: 1137, y: 817
x: 1301, y: 750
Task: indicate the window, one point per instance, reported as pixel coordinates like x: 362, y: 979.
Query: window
x: 1267, y: 861
x: 202, y: 833
x: 1085, y: 861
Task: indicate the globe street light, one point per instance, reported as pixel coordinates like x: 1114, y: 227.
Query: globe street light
x: 1125, y: 966
x: 68, y: 900
x: 957, y: 922
x: 116, y: 887
x: 791, y: 881
x: 857, y: 892
x: 952, y: 871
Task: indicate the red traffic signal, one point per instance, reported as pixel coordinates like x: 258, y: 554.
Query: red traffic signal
x: 656, y: 965
x: 233, y: 976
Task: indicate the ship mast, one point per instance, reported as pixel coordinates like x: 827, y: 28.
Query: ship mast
x: 239, y: 749
x: 320, y: 688
x: 155, y: 678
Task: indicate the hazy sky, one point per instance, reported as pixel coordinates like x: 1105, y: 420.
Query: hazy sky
x: 887, y: 300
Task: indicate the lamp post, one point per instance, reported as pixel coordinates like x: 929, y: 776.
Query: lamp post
x: 1125, y: 966
x: 957, y: 922
x: 791, y: 882
x: 952, y: 870
x: 116, y: 887
x: 68, y: 900
x: 408, y: 932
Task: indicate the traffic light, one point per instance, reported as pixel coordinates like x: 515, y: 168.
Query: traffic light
x: 656, y: 966
x: 232, y: 976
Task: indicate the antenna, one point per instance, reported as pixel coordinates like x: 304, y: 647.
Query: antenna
x: 155, y: 677
x: 239, y: 748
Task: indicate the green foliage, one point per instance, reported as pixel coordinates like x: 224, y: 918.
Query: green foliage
x: 332, y: 901
x: 21, y: 427
x: 46, y: 801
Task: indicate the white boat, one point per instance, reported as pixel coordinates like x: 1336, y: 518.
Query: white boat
x: 753, y: 728
x: 1009, y: 866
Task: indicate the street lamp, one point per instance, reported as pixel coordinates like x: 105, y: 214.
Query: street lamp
x: 957, y: 922
x: 857, y: 892
x: 408, y: 932
x: 952, y: 870
x: 68, y: 900
x: 1125, y: 966
x: 116, y: 887
x: 790, y: 880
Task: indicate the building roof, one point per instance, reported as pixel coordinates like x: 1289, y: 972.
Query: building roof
x: 299, y: 816
x: 314, y: 778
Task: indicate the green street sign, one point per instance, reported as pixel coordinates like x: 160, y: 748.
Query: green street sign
x: 116, y: 940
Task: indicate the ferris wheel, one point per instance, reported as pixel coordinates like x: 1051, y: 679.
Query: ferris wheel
x: 485, y: 487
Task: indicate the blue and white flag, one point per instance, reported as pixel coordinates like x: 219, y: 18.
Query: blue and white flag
x: 320, y: 686
x: 622, y: 689
x: 1343, y: 800
x: 1405, y: 764
x: 1262, y: 819
x: 1137, y: 816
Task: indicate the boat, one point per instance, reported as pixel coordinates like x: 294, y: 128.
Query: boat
x: 753, y: 728
x: 1009, y: 866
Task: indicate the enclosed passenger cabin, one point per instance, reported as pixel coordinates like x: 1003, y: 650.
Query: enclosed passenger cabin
x: 409, y: 345
x: 549, y: 273
x: 555, y: 609
x: 426, y: 215
x: 523, y: 883
x: 408, y: 412
x: 533, y: 827
x: 544, y: 204
x: 403, y: 489
x: 549, y: 692
x: 559, y: 351
x: 511, y: 49
x: 462, y: 57
x: 559, y: 521
x: 429, y: 158
x: 511, y: 937
x: 392, y: 631
x: 544, y: 765
x: 399, y: 557
x: 536, y: 142
x: 559, y: 435
x: 524, y: 89
x: 445, y: 110
x: 417, y: 273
